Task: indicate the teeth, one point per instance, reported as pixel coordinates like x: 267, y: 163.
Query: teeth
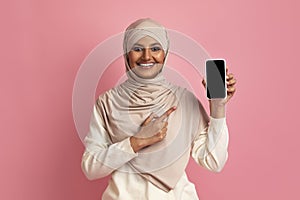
x: 146, y: 64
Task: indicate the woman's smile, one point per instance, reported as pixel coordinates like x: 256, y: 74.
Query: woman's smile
x: 146, y: 65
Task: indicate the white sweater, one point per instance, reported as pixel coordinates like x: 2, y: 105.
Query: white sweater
x: 208, y: 150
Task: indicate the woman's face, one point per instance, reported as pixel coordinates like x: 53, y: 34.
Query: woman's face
x: 146, y: 58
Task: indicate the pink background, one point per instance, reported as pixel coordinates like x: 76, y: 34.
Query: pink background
x: 43, y: 44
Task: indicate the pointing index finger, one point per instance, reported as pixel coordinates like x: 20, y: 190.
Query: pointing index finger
x: 167, y: 113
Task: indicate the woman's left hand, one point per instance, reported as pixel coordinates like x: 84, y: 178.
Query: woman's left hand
x: 230, y: 82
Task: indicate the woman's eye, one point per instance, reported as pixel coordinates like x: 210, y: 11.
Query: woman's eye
x: 137, y: 49
x: 155, y: 49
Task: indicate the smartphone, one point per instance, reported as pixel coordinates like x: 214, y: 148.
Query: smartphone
x: 215, y: 70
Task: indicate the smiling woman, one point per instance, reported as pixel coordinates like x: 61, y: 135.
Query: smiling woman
x: 146, y: 57
x: 144, y: 130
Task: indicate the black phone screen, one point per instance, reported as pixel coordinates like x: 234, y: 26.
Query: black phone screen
x: 215, y: 79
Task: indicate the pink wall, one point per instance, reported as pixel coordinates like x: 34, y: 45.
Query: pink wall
x: 44, y: 42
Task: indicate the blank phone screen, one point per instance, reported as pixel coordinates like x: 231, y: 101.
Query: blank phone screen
x: 215, y: 79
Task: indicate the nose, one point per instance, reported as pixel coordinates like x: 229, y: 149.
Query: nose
x: 146, y: 54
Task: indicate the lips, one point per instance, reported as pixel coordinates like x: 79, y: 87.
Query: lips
x: 146, y: 65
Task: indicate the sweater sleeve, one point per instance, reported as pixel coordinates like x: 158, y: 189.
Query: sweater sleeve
x: 101, y: 156
x: 209, y: 148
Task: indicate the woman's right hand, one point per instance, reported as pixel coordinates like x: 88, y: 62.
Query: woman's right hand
x: 153, y: 130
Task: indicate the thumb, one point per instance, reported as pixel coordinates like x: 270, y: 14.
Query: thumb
x: 204, y: 82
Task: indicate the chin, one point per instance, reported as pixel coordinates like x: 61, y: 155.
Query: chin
x: 146, y: 76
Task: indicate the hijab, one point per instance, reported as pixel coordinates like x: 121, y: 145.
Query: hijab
x: 125, y: 107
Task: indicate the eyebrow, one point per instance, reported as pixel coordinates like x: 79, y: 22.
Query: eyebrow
x: 153, y: 44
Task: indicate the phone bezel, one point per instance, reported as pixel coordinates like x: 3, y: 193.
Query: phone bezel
x: 214, y: 59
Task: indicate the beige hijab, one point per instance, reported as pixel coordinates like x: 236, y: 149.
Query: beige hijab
x: 125, y: 107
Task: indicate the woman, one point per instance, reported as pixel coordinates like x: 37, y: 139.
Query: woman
x: 143, y: 131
